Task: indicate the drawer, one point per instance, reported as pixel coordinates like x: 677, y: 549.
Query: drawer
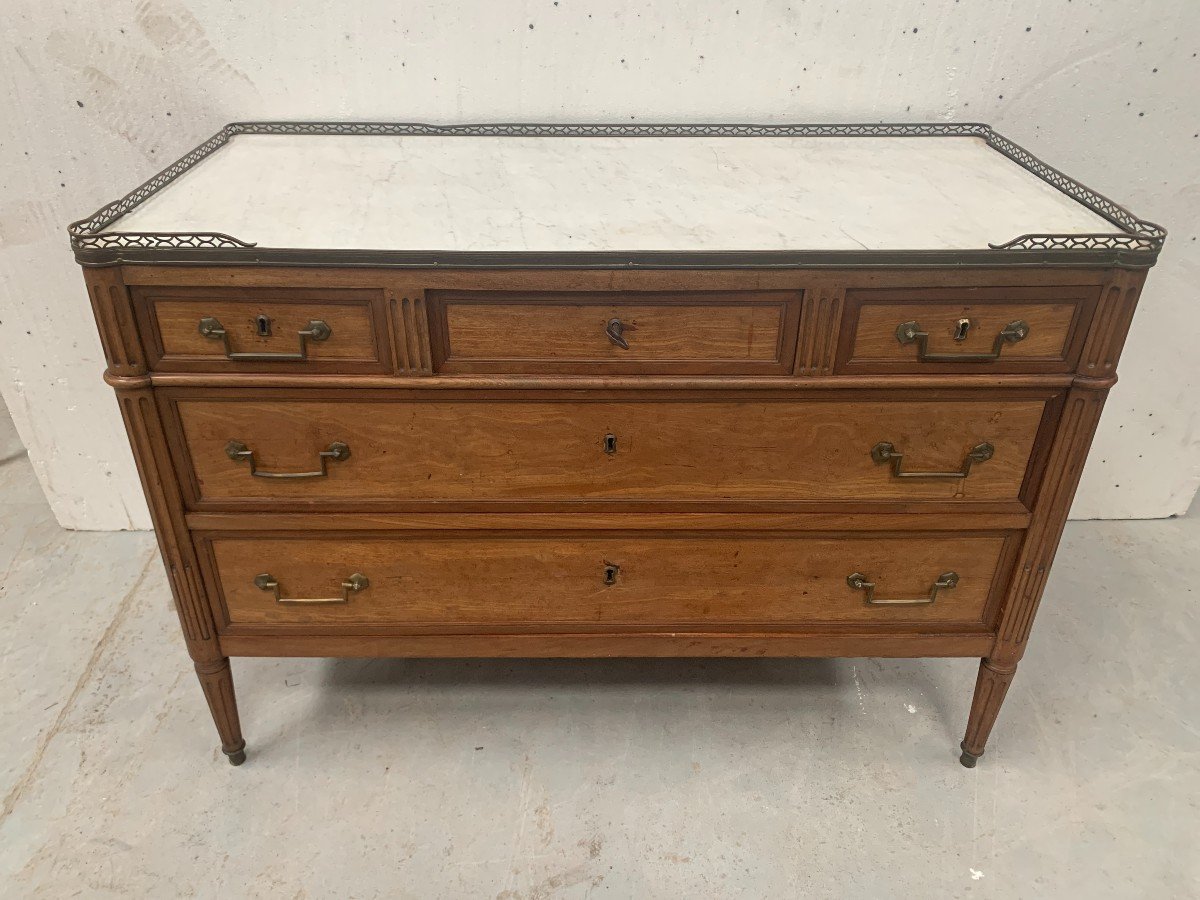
x: 232, y: 450
x: 719, y: 333
x: 616, y: 578
x: 1015, y: 329
x: 265, y: 330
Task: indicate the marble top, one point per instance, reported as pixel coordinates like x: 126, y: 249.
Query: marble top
x: 549, y: 194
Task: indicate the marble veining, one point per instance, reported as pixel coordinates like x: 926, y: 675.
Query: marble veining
x: 612, y: 194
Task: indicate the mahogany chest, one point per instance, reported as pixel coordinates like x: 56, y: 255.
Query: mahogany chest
x: 567, y: 391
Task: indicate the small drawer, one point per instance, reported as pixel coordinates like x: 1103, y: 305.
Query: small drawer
x: 945, y: 330
x: 281, y: 450
x: 718, y: 333
x: 265, y: 330
x: 611, y: 579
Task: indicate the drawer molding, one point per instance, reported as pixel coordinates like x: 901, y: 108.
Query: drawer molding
x: 677, y: 642
x: 483, y: 580
x: 428, y: 449
x: 1010, y: 330
x: 219, y: 329
x: 619, y: 332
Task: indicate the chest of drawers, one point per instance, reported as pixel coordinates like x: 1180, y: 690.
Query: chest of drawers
x: 568, y: 391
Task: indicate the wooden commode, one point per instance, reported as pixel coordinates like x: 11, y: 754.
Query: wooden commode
x: 599, y: 391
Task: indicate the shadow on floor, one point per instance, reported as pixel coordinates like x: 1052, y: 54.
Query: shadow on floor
x: 561, y: 673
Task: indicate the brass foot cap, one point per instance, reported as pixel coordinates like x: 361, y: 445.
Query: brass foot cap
x: 236, y: 757
x: 968, y: 758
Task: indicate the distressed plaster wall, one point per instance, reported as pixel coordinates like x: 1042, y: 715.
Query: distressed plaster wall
x: 96, y: 97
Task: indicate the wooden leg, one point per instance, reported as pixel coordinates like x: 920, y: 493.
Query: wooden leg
x: 217, y: 680
x: 990, y: 688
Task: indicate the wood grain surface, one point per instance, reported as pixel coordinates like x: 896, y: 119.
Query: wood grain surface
x: 661, y: 579
x: 480, y: 501
x: 735, y: 449
x: 1053, y: 342
x: 358, y: 342
x: 695, y: 333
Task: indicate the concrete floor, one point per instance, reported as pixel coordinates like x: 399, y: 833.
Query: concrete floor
x: 528, y: 779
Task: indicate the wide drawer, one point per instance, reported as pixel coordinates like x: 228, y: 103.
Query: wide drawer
x: 615, y: 578
x: 739, y: 332
x: 320, y: 330
x: 965, y: 329
x: 262, y: 450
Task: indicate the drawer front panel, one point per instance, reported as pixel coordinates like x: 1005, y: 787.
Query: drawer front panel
x: 420, y: 451
x: 265, y: 330
x: 617, y: 578
x: 747, y: 333
x: 965, y: 330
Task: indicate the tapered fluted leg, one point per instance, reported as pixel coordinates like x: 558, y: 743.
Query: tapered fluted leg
x: 217, y: 680
x: 990, y: 688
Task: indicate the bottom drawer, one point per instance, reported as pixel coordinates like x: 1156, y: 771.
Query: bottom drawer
x: 610, y: 578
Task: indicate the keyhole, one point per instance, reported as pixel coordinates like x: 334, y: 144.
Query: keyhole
x: 610, y: 444
x: 610, y: 573
x: 960, y: 329
x: 263, y: 326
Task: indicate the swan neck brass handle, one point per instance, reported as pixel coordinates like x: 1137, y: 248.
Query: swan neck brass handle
x: 352, y: 585
x: 911, y: 333
x: 858, y: 581
x: 316, y: 331
x: 615, y: 330
x: 337, y: 451
x: 885, y: 452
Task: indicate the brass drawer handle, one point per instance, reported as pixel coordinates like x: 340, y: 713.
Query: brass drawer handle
x: 884, y: 452
x: 351, y: 585
x: 859, y: 582
x: 337, y: 451
x: 614, y: 330
x: 910, y: 332
x: 316, y: 331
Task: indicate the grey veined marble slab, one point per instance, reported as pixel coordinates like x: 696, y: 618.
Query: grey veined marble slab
x: 611, y: 194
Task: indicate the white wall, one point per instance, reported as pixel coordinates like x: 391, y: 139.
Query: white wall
x: 98, y: 96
